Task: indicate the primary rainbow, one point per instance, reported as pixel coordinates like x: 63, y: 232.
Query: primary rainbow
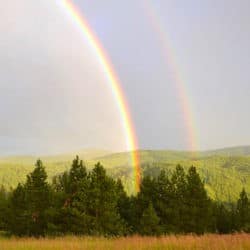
x: 185, y: 101
x: 79, y: 20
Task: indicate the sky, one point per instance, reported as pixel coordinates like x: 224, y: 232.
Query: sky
x: 54, y: 96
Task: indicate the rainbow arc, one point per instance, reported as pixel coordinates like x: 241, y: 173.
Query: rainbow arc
x: 171, y: 63
x: 79, y: 20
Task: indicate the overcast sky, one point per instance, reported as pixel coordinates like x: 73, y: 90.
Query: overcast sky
x: 55, y: 98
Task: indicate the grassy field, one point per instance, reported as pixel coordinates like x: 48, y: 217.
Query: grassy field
x: 211, y: 242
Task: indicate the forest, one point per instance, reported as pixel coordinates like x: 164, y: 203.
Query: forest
x: 92, y: 203
x: 224, y: 172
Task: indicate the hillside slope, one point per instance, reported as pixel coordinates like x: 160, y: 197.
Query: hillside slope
x: 224, y: 171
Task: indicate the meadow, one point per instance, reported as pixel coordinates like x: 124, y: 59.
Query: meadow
x: 188, y: 242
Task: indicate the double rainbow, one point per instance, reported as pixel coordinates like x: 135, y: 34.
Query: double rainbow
x: 79, y: 20
x: 115, y: 86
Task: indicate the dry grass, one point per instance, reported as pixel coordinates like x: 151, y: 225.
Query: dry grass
x: 211, y: 242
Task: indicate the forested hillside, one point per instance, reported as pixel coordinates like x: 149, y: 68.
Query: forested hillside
x: 223, y: 171
x: 82, y: 202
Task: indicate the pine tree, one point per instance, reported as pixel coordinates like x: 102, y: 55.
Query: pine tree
x: 17, y: 219
x: 146, y: 195
x: 102, y: 203
x: 73, y: 211
x: 124, y: 206
x: 164, y: 201
x: 37, y: 199
x: 178, y: 202
x: 77, y: 173
x: 149, y: 223
x: 223, y: 222
x: 3, y: 208
x: 198, y: 204
x: 243, y: 209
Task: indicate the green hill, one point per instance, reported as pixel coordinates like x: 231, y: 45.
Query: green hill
x: 224, y: 171
x: 232, y: 151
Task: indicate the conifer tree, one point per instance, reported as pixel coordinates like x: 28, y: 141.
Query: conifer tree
x: 146, y: 195
x: 17, y: 220
x: 124, y: 205
x: 197, y: 202
x: 77, y: 173
x: 178, y: 202
x: 3, y: 208
x: 223, y: 222
x: 164, y: 202
x: 37, y: 199
x: 243, y: 210
x: 102, y: 203
x: 149, y: 223
x: 74, y: 208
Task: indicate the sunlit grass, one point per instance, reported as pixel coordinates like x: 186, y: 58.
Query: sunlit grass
x: 189, y: 242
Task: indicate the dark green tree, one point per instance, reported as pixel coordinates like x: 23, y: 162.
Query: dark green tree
x: 223, y: 220
x: 198, y: 204
x: 164, y: 202
x: 243, y: 211
x: 72, y: 190
x: 37, y: 194
x: 146, y: 195
x: 102, y: 204
x: 77, y: 174
x: 149, y: 223
x: 124, y: 206
x: 178, y: 204
x: 17, y: 216
x: 3, y: 208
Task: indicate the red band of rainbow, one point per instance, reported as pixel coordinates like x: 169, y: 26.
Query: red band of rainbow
x: 115, y: 86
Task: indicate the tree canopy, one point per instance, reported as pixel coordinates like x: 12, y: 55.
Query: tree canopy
x: 85, y: 202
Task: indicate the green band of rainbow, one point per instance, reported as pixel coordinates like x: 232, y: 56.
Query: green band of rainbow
x: 131, y: 140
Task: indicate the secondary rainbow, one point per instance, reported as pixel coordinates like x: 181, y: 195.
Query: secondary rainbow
x: 183, y: 95
x: 131, y: 141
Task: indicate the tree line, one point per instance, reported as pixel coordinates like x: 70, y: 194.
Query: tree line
x: 92, y: 203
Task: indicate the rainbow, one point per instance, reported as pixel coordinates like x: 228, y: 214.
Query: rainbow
x: 183, y: 95
x: 79, y: 20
